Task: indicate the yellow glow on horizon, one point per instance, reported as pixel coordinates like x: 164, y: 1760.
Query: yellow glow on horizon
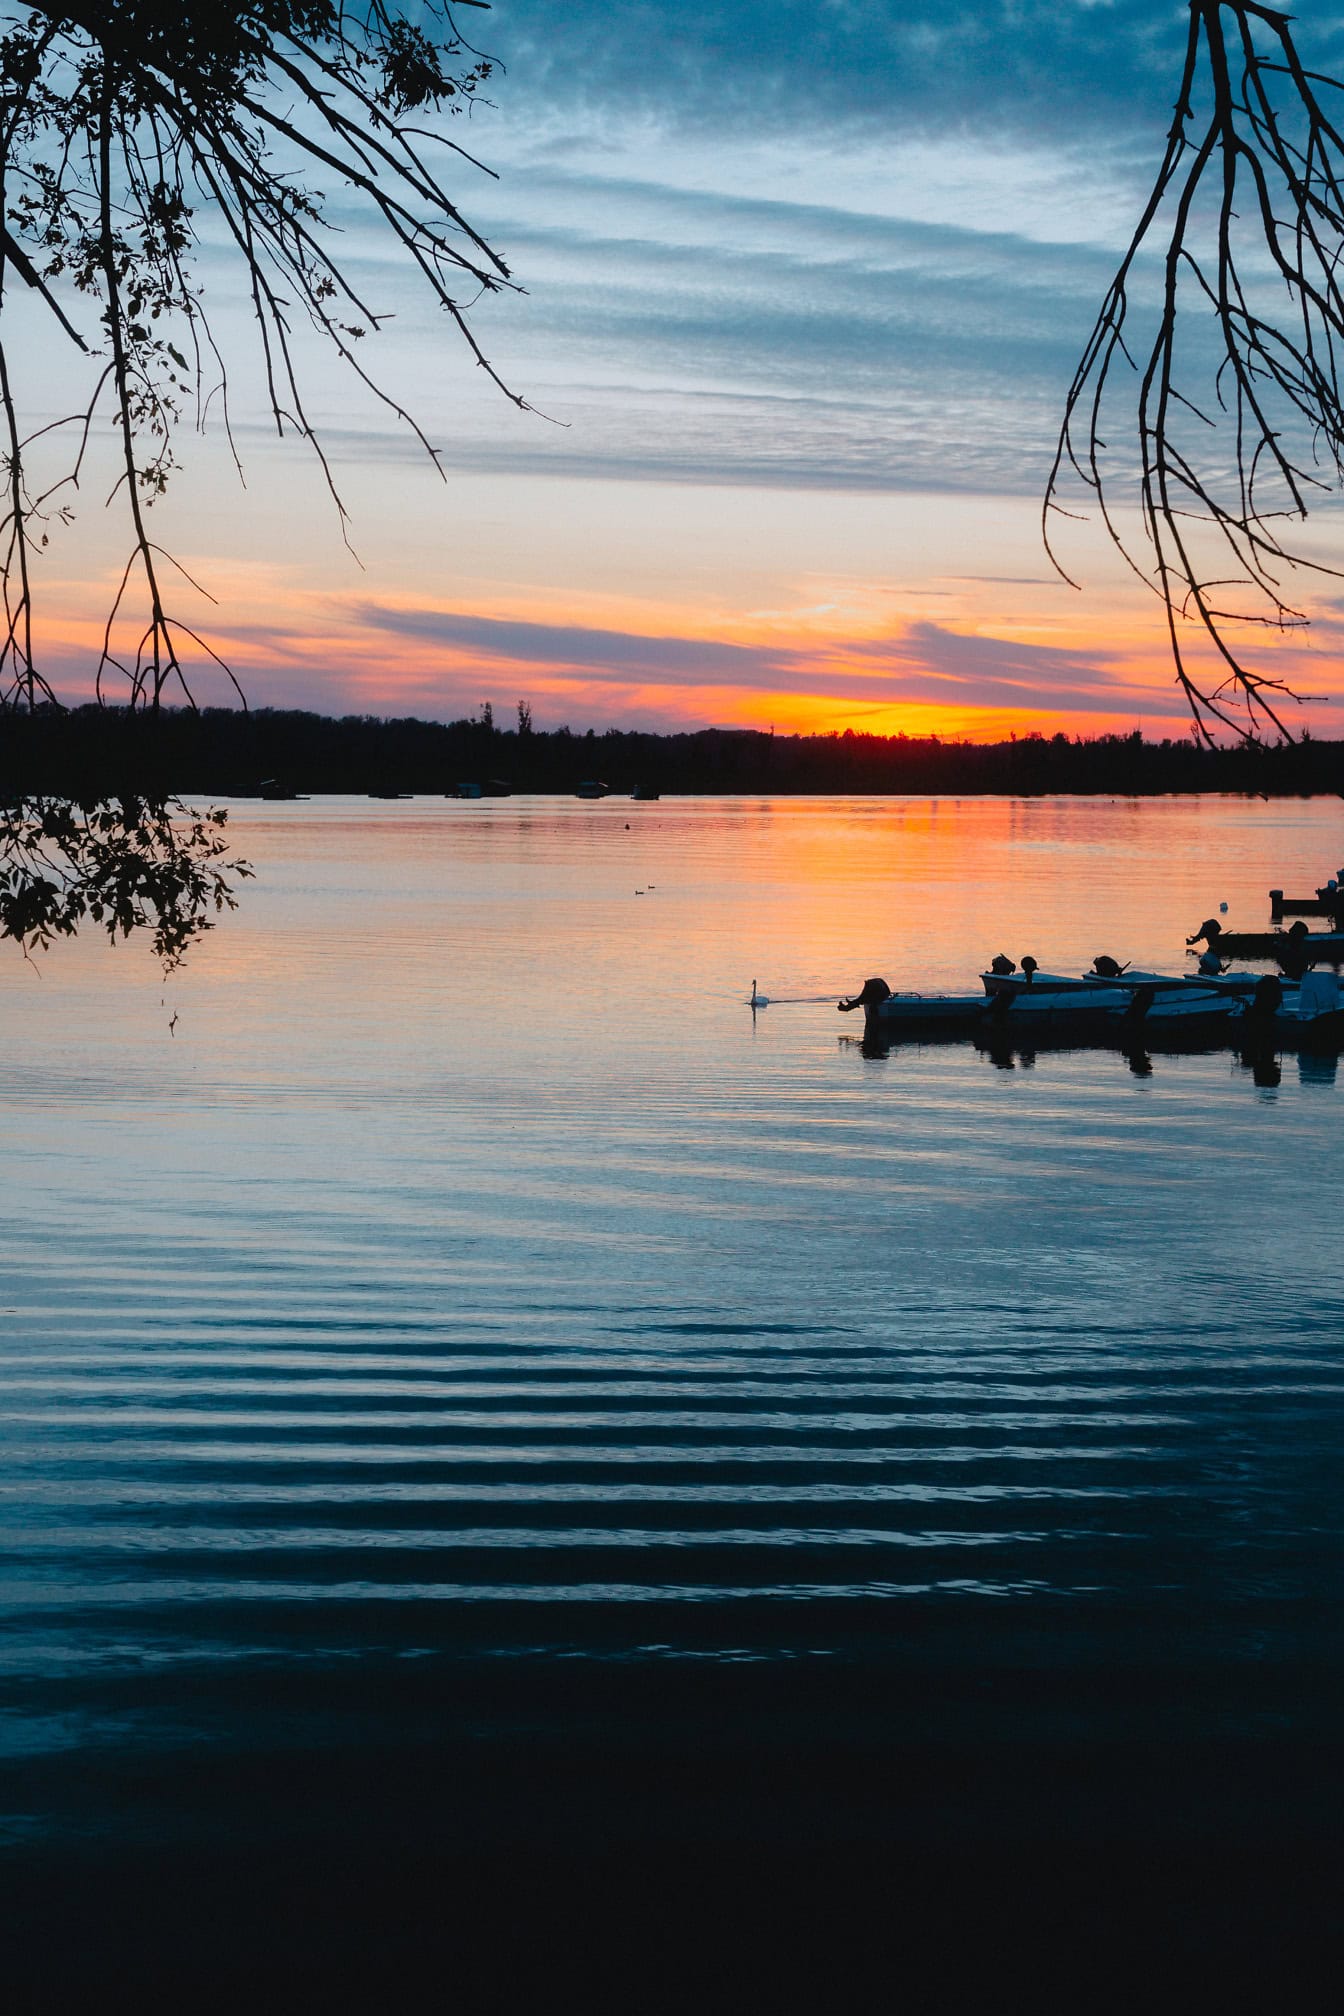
x: 864, y: 664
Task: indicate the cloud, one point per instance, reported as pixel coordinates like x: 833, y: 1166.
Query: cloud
x: 704, y: 336
x: 1002, y: 671
x: 801, y: 67
x: 809, y: 337
x: 923, y: 663
x: 847, y: 246
x: 771, y: 61
x: 625, y: 654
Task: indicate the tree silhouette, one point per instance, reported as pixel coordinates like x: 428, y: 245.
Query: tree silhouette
x: 1234, y: 388
x: 122, y: 122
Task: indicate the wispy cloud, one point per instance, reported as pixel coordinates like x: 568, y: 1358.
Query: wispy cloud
x: 705, y: 336
x: 923, y: 663
x: 784, y: 63
x: 771, y: 248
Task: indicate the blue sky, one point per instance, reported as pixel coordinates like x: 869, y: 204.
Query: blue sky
x: 804, y: 290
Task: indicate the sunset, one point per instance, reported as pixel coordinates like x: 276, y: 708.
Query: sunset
x: 795, y: 325
x: 641, y: 606
x: 672, y: 949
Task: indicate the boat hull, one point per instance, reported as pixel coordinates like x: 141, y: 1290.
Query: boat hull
x: 1082, y: 1010
x: 1326, y: 947
x: 1186, y: 1014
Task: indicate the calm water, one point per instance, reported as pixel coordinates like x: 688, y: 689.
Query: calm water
x: 471, y: 1381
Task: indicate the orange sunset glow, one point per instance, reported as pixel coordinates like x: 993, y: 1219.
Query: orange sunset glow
x: 745, y: 503
x: 811, y: 637
x: 672, y: 941
x: 320, y: 659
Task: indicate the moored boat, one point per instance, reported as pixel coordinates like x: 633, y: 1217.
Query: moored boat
x: 1295, y: 948
x: 1305, y: 1014
x: 1241, y: 1008
x: 929, y: 1011
x: 1327, y: 902
x: 1326, y: 946
x: 1020, y: 985
x: 1056, y: 1001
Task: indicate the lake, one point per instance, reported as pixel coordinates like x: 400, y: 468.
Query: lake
x: 473, y: 1395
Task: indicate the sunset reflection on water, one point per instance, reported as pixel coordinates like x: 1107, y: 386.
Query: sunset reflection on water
x: 473, y: 1329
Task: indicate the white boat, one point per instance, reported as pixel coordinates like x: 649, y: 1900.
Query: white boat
x: 1164, y: 985
x: 1310, y: 1011
x: 1251, y: 1013
x: 1134, y: 999
x: 1056, y: 1002
x: 946, y: 1011
x: 1312, y: 1007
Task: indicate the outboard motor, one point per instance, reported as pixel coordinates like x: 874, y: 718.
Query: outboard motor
x: 1208, y: 930
x: 1141, y: 1002
x: 1292, y: 956
x: 870, y: 998
x: 1108, y: 968
x: 1029, y: 968
x: 1210, y: 965
x: 1003, y: 965
x: 1267, y: 998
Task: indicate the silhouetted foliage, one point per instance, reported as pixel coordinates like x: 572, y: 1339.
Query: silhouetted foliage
x: 127, y: 864
x: 121, y: 121
x: 1240, y: 422
x: 224, y: 752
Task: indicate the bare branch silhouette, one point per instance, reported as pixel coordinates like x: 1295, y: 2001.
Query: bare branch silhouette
x: 120, y: 121
x: 1236, y: 392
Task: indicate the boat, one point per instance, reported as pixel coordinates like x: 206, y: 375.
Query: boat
x: 1310, y: 1006
x: 590, y: 789
x: 1057, y: 1001
x: 643, y: 795
x: 391, y: 794
x: 1131, y: 999
x: 950, y: 1012
x: 1294, y: 947
x: 1310, y: 1013
x: 464, y: 791
x: 495, y: 787
x: 1327, y: 902
x: 1244, y: 1008
x: 1021, y: 985
x: 275, y: 792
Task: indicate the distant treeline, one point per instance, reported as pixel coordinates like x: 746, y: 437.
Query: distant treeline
x: 91, y: 751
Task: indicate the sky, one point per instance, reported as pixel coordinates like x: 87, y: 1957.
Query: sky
x: 804, y: 290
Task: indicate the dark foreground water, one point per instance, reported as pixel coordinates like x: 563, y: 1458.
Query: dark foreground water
x: 492, y: 1432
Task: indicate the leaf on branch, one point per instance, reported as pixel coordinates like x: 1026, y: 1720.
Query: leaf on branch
x: 120, y: 121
